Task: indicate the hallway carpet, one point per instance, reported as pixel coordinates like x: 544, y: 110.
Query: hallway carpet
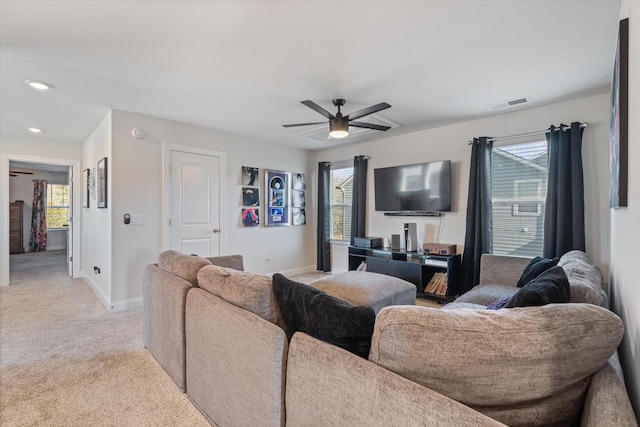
x: 66, y: 361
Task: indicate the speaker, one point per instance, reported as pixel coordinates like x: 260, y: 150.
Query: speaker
x: 410, y: 236
x: 395, y: 241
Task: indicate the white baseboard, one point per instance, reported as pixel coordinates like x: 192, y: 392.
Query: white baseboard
x: 297, y: 271
x: 112, y: 306
x: 106, y: 301
x: 126, y: 305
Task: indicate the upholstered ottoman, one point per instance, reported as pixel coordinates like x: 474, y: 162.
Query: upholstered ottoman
x: 366, y: 288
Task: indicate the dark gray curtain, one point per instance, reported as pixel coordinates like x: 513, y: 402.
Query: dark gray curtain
x: 478, y: 238
x: 324, y: 217
x: 359, y: 202
x: 564, y: 210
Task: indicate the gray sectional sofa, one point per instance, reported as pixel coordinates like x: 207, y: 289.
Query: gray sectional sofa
x: 218, y: 332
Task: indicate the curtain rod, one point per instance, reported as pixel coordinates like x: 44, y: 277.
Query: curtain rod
x: 522, y: 135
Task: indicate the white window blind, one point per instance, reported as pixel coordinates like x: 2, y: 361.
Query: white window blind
x: 341, y: 199
x: 519, y: 177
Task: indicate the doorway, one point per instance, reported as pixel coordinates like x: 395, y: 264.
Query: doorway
x: 64, y: 240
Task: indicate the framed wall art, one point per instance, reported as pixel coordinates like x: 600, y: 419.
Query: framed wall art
x: 276, y: 186
x: 101, y: 182
x: 298, y: 190
x: 619, y: 121
x: 86, y: 187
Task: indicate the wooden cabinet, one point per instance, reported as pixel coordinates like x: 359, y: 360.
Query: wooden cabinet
x: 16, y: 228
x: 436, y: 277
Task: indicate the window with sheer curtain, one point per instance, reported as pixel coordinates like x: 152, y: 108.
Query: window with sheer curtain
x: 519, y: 177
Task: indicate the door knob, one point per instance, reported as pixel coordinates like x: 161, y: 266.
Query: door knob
x: 216, y: 230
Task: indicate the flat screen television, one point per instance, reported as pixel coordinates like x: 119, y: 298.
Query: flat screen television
x: 418, y: 188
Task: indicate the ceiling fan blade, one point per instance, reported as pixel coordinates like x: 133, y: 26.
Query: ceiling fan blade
x: 12, y: 174
x: 368, y: 126
x: 303, y: 124
x: 25, y: 173
x: 319, y: 109
x: 369, y: 110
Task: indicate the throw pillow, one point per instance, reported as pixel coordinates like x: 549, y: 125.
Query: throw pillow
x: 497, y: 305
x: 552, y: 286
x: 536, y: 266
x: 324, y: 317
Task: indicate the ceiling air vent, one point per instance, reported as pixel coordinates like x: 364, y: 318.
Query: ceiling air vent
x: 510, y: 103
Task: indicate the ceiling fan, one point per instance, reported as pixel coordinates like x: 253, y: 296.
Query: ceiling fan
x: 15, y: 173
x: 339, y: 124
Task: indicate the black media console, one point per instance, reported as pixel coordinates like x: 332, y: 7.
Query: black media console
x: 436, y: 277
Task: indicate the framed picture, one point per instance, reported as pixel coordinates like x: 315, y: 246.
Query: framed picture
x: 619, y: 121
x: 86, y: 187
x: 250, y: 176
x: 298, y: 187
x: 250, y: 217
x: 250, y: 196
x: 276, y: 187
x: 298, y: 215
x: 101, y: 182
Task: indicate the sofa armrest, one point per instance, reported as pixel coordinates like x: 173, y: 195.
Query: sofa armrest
x: 329, y: 386
x: 501, y: 269
x: 228, y: 261
x: 607, y: 401
x: 164, y: 296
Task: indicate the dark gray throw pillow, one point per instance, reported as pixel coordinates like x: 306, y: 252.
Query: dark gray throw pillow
x: 536, y: 267
x: 322, y: 316
x: 550, y: 287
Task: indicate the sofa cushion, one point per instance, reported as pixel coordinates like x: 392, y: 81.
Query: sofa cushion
x: 584, y: 277
x: 550, y: 287
x: 253, y: 292
x: 182, y: 265
x: 523, y: 366
x: 536, y: 266
x: 322, y: 316
x: 483, y: 295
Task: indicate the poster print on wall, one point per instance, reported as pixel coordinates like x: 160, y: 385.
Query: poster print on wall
x: 101, y: 183
x: 277, y: 195
x: 250, y: 217
x: 619, y: 124
x: 86, y: 187
x: 250, y: 176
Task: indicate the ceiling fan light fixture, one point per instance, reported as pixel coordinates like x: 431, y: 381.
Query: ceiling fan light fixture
x: 35, y: 130
x: 339, y: 127
x: 38, y: 85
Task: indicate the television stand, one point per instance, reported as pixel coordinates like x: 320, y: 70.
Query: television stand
x: 436, y: 277
x: 413, y: 213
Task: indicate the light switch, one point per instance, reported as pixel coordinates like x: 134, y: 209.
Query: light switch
x: 136, y: 219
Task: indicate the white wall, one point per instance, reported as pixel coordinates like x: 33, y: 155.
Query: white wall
x: 21, y: 188
x: 625, y: 225
x: 450, y: 143
x: 135, y: 173
x: 96, y: 223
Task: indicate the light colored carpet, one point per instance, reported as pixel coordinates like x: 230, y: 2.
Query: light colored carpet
x: 65, y: 361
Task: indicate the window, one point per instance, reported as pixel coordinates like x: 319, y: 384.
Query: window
x: 519, y: 177
x: 341, y: 197
x: 57, y: 205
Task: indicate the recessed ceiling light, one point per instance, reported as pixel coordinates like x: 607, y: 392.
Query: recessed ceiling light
x: 38, y: 85
x: 35, y: 130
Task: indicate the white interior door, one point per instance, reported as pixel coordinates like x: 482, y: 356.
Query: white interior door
x: 70, y: 224
x: 194, y: 203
